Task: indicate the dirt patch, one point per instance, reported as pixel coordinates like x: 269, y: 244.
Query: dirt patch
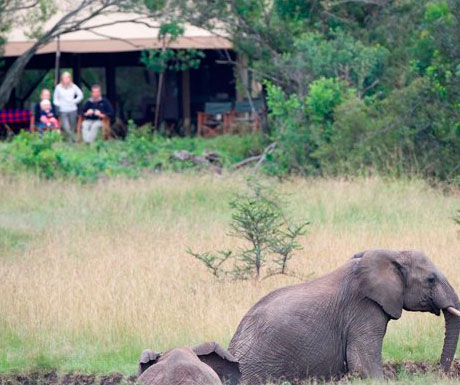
x: 391, y: 371
x: 53, y: 378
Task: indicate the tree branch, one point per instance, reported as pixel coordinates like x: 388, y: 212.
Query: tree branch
x: 19, y: 6
x: 72, y: 21
x: 114, y: 38
x: 381, y: 3
x: 137, y: 20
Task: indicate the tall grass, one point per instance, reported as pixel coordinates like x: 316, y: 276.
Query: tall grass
x: 92, y: 274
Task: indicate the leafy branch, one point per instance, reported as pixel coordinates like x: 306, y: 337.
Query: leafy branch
x: 213, y: 262
x: 160, y: 60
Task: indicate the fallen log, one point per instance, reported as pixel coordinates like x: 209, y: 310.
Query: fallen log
x: 256, y: 158
x: 211, y: 159
x: 246, y: 161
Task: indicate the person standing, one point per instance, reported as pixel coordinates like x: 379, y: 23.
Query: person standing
x: 96, y: 111
x: 66, y: 97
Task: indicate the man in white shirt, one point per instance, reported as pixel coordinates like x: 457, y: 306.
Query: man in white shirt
x: 66, y: 97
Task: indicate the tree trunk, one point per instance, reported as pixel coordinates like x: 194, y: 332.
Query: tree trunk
x: 263, y: 115
x: 14, y: 74
x: 67, y: 23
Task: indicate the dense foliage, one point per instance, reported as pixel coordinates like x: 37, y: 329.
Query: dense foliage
x: 140, y: 153
x: 353, y: 86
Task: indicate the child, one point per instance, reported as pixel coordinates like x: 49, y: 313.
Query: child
x: 47, y: 118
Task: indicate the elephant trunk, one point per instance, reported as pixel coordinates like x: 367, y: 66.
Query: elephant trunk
x: 451, y: 335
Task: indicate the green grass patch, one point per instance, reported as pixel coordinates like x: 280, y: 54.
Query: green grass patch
x: 141, y: 152
x: 97, y: 272
x: 13, y: 240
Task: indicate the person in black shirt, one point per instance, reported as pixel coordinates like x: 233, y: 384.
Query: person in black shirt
x: 95, y: 110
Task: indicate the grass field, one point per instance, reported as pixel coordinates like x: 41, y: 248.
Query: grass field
x: 92, y: 274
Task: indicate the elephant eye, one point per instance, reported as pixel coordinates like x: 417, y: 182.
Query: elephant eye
x: 431, y: 279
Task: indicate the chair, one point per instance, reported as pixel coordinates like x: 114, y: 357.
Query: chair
x: 246, y: 112
x: 106, y: 128
x: 32, y: 117
x: 214, y: 119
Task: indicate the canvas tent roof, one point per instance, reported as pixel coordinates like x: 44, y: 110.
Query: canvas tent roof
x: 118, y: 34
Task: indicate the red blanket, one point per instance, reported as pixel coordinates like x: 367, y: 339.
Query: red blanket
x: 15, y: 116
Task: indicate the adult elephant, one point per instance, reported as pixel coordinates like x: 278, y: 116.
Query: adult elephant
x: 205, y: 364
x: 336, y: 324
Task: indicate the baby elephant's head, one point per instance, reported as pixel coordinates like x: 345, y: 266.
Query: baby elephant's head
x: 146, y: 360
x: 219, y: 360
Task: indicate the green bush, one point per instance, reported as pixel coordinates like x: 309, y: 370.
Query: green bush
x: 301, y: 127
x: 259, y: 219
x: 295, y: 142
x: 347, y: 151
x: 50, y: 157
x: 313, y: 56
x: 355, y: 87
x: 413, y: 131
x: 324, y: 95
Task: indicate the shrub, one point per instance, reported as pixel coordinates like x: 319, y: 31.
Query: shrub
x: 49, y: 157
x: 26, y: 152
x: 347, y: 151
x: 313, y: 56
x: 302, y: 126
x: 417, y: 133
x: 325, y: 94
x: 295, y: 142
x: 259, y: 219
x: 413, y: 131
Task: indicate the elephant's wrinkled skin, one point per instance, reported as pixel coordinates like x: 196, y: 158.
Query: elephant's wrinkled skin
x: 205, y: 364
x: 336, y: 323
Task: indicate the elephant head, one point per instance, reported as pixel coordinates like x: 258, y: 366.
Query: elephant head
x: 408, y: 280
x: 210, y: 353
x: 148, y: 358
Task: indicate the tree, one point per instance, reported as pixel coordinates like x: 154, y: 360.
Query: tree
x: 73, y: 16
x: 169, y: 59
x: 8, y: 10
x: 266, y: 31
x: 270, y: 238
x: 352, y: 86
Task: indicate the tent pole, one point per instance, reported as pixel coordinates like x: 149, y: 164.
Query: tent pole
x: 160, y: 86
x: 56, y: 63
x: 186, y: 100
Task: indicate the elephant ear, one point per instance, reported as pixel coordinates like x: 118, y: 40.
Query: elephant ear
x: 381, y: 279
x: 220, y: 360
x: 359, y: 255
x: 146, y: 360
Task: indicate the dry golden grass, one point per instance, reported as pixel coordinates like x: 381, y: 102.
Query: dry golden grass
x: 90, y: 275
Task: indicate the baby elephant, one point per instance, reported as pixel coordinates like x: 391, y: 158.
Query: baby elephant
x: 205, y: 364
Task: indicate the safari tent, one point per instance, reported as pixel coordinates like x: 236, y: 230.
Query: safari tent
x: 110, y: 56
